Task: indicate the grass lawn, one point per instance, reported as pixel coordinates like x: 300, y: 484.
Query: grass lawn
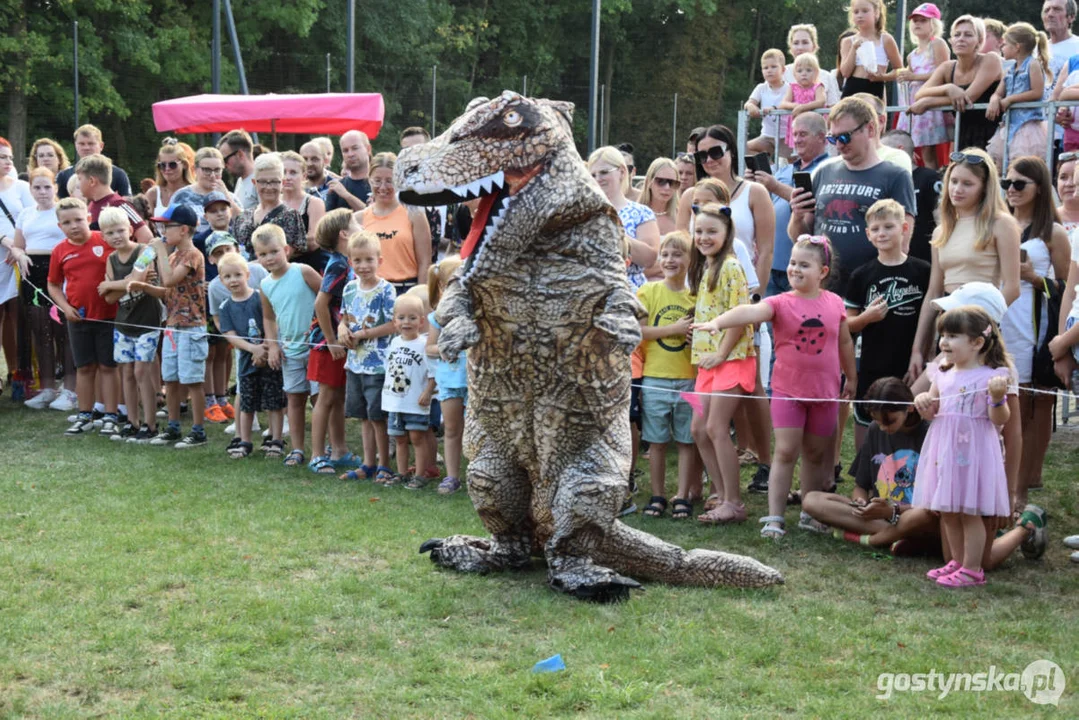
x: 146, y: 582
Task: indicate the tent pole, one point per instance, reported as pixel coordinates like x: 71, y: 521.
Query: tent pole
x: 273, y: 129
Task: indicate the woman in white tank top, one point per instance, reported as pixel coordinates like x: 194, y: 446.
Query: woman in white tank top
x: 173, y: 172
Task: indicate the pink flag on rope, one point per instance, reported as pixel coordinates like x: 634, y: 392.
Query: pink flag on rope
x: 168, y: 334
x: 694, y: 401
x: 55, y: 315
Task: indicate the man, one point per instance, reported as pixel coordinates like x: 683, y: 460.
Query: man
x: 88, y: 142
x: 885, y: 153
x: 351, y: 190
x: 1057, y: 19
x: 414, y: 135
x: 236, y: 149
x: 808, y: 133
x: 844, y: 190
x: 927, y: 186
x: 317, y: 172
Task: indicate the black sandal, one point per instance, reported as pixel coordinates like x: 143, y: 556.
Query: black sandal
x: 657, y: 505
x: 681, y: 509
x: 240, y: 450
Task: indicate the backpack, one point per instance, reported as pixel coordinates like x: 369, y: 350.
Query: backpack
x: 1051, y: 294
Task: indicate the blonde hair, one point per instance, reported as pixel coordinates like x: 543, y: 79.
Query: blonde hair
x: 1032, y: 41
x: 270, y: 161
x: 326, y: 145
x: 650, y: 176
x: 98, y: 167
x: 113, y: 217
x: 975, y: 22
x: 878, y: 5
x: 438, y: 277
x: 994, y: 27
x: 364, y: 240
x: 856, y: 108
x: 808, y: 59
x: 208, y: 152
x: 886, y: 208
x: 61, y: 156
x: 73, y: 184
x: 936, y: 29
x: 612, y: 156
x: 383, y: 160
x: 408, y: 299
x: 70, y: 203
x: 809, y: 28
x: 88, y: 130
x: 723, y: 196
x: 232, y: 258
x: 292, y: 156
x: 331, y: 226
x: 269, y: 234
x: 990, y: 208
x: 175, y: 150
x: 677, y: 240
x: 775, y: 54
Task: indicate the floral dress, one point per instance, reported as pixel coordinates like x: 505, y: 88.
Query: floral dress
x: 929, y: 128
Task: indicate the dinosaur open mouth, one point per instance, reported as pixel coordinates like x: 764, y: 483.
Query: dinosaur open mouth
x: 493, y: 192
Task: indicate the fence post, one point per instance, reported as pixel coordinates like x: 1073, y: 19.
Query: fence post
x: 1051, y: 122
x: 743, y: 136
x: 350, y: 47
x: 327, y: 72
x: 674, y: 128
x: 434, y: 95
x: 524, y: 86
x: 601, y: 139
x: 75, y: 60
x: 1005, y: 156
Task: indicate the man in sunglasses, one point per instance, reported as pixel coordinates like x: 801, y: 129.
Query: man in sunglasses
x: 236, y: 150
x: 843, y: 191
x: 88, y: 142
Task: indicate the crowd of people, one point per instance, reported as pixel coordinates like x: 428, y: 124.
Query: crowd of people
x: 880, y: 272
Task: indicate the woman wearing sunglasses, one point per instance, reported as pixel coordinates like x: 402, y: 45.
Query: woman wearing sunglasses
x: 173, y: 173
x: 1029, y: 194
x: 1068, y: 210
x: 660, y: 194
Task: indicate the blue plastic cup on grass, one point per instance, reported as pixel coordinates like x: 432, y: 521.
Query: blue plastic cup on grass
x: 551, y: 664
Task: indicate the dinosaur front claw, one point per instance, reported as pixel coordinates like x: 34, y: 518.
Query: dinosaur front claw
x: 431, y: 545
x: 459, y: 334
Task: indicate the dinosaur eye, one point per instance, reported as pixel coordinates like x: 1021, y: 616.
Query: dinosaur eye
x: 512, y: 118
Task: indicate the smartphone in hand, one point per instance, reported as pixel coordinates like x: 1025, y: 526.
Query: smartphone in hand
x: 804, y: 182
x: 762, y: 161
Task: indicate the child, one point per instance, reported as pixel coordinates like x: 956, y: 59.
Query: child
x: 450, y: 378
x: 765, y: 98
x: 134, y: 343
x: 884, y: 297
x: 365, y: 329
x: 288, y: 304
x: 260, y: 386
x: 434, y: 420
x: 668, y: 371
x: 866, y: 55
x: 407, y: 391
x: 183, y: 356
x: 805, y: 94
x: 965, y: 479
x: 1023, y: 82
x: 95, y: 178
x: 76, y: 268
x: 813, y: 344
x: 326, y: 365
x: 217, y: 212
x: 726, y: 364
x: 931, y: 130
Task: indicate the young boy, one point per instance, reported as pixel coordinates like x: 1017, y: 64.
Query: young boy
x: 183, y: 356
x: 240, y: 319
x: 766, y: 97
x: 365, y: 329
x: 327, y: 361
x: 217, y: 211
x: 407, y: 390
x: 76, y: 269
x: 134, y: 342
x: 667, y: 373
x: 884, y: 297
x: 288, y: 304
x: 95, y: 177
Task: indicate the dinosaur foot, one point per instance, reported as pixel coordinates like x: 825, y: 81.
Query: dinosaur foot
x: 465, y: 553
x: 587, y: 581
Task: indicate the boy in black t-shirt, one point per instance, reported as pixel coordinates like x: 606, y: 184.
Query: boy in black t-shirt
x: 884, y: 299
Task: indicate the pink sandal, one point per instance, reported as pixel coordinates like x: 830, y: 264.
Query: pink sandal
x: 940, y: 572
x: 963, y: 578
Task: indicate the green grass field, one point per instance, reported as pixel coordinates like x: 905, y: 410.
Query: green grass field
x: 146, y: 582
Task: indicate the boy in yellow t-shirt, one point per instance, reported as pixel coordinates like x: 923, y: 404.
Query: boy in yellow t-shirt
x: 668, y: 372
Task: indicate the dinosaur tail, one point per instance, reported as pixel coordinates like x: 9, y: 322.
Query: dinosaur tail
x: 638, y: 554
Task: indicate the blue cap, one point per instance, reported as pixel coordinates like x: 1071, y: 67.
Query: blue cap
x: 215, y: 197
x: 181, y: 214
x: 219, y: 238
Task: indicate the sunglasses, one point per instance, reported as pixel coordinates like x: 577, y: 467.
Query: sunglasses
x: 1019, y: 185
x: 1068, y: 156
x: 715, y: 152
x: 230, y: 156
x: 843, y: 137
x: 684, y: 156
x: 968, y: 158
x: 664, y: 182
x: 168, y: 165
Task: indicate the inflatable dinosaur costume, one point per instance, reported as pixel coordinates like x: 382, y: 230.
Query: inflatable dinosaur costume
x: 544, y: 307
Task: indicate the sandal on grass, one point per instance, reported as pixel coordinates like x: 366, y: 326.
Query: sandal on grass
x: 724, y: 513
x: 657, y: 505
x: 940, y: 572
x: 273, y: 448
x: 363, y: 472
x: 417, y: 482
x: 681, y: 509
x: 774, y: 526
x: 322, y: 465
x: 240, y: 450
x: 713, y: 501
x: 348, y: 460
x: 963, y: 578
x: 383, y: 474
x: 296, y: 458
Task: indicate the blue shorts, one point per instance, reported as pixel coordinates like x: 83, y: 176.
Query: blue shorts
x: 400, y: 424
x: 137, y: 348
x: 294, y: 375
x: 453, y: 394
x: 183, y: 356
x: 664, y: 413
x: 363, y: 396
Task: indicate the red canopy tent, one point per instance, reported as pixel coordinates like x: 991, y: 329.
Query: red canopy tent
x: 321, y: 114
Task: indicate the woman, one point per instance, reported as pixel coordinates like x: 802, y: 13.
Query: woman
x: 173, y: 173
x: 660, y: 194
x: 269, y: 174
x: 209, y: 166
x: 310, y: 208
x: 968, y: 80
x: 36, y: 234
x: 1069, y: 200
x: 47, y: 153
x: 977, y: 240
x: 1045, y: 242
x: 14, y: 196
x: 802, y: 39
x: 404, y: 231
x: 608, y: 168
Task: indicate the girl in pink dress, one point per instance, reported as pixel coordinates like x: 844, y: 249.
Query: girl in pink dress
x: 806, y: 93
x: 961, y: 473
x: 931, y: 131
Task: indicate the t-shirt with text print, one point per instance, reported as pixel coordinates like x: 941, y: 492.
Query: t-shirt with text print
x: 407, y: 371
x: 667, y: 357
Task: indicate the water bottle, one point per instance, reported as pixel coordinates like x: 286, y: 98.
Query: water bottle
x: 146, y: 256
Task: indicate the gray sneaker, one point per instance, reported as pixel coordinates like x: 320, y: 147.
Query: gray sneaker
x: 81, y: 426
x: 109, y: 427
x: 143, y: 436
x: 126, y: 431
x: 192, y: 439
x: 167, y: 436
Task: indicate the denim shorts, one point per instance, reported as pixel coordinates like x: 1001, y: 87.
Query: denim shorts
x: 664, y: 413
x: 363, y: 396
x: 294, y: 374
x: 137, y: 348
x: 183, y: 355
x: 453, y: 394
x: 401, y: 423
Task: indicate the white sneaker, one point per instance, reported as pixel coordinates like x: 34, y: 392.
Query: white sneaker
x: 266, y: 432
x: 42, y: 399
x: 230, y: 429
x: 1075, y: 556
x: 65, y: 401
x: 1072, y: 541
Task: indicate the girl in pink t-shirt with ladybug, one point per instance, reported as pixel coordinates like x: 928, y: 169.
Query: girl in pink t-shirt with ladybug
x: 812, y: 347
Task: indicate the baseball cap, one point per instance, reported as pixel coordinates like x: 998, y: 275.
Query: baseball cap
x: 215, y: 197
x: 218, y: 239
x: 181, y: 214
x: 982, y: 294
x: 927, y: 10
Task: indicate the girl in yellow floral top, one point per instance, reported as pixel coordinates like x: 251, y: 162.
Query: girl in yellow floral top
x: 726, y: 361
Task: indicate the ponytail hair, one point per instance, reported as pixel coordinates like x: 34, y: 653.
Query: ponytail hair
x: 1032, y: 41
x: 974, y: 322
x: 438, y: 277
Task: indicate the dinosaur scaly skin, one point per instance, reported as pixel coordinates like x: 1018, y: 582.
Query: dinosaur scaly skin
x: 543, y: 304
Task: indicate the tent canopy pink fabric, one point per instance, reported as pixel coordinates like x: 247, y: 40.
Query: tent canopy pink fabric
x: 322, y: 114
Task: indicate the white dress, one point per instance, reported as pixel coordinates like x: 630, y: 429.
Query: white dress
x: 15, y: 198
x: 1018, y: 324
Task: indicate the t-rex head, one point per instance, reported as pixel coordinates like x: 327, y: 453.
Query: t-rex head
x: 517, y: 155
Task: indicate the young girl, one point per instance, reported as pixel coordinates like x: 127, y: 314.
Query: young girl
x: 867, y: 54
x: 727, y: 363
x: 1023, y: 82
x: 806, y: 93
x: 451, y: 378
x: 931, y: 131
x: 812, y: 345
x: 962, y: 473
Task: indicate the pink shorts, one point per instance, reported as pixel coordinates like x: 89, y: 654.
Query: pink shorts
x: 816, y: 417
x: 731, y: 374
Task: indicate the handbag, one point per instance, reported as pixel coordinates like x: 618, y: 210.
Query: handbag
x: 1051, y: 293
